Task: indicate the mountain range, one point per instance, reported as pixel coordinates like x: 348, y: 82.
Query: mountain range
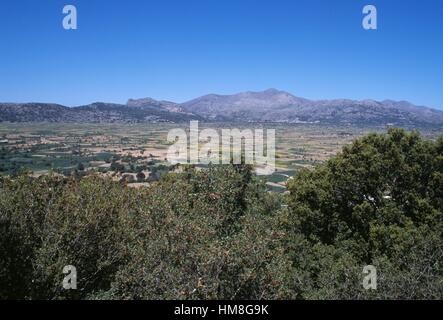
x: 271, y: 105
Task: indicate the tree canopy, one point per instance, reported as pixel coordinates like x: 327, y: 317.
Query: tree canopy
x: 219, y: 234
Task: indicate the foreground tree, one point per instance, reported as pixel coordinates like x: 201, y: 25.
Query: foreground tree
x: 206, y: 235
x: 211, y: 234
x: 378, y: 202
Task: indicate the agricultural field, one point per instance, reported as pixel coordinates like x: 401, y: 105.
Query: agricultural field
x: 136, y: 153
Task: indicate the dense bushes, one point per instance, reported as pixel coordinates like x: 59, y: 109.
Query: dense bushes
x: 218, y: 234
x: 204, y: 235
x: 209, y: 234
x: 378, y: 202
x: 49, y: 222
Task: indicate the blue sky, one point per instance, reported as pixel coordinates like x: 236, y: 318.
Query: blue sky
x: 178, y: 50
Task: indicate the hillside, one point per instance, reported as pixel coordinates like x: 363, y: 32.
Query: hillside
x: 266, y: 106
x: 98, y: 112
x: 278, y: 106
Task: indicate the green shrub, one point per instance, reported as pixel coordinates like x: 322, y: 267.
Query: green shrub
x: 378, y: 202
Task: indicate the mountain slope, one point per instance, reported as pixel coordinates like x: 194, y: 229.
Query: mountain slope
x: 278, y: 106
x: 266, y: 106
x: 98, y: 112
x: 30, y: 112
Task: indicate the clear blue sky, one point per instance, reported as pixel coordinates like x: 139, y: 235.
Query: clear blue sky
x: 178, y: 50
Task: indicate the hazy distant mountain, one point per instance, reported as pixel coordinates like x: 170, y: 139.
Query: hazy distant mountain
x: 266, y: 106
x: 107, y: 112
x: 30, y: 112
x: 147, y: 103
x: 98, y: 112
x: 214, y: 104
x: 278, y: 106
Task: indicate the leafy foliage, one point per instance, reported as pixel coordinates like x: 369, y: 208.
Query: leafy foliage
x: 379, y: 202
x: 218, y: 234
x: 208, y: 234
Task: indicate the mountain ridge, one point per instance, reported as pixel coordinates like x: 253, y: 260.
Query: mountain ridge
x: 271, y: 105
